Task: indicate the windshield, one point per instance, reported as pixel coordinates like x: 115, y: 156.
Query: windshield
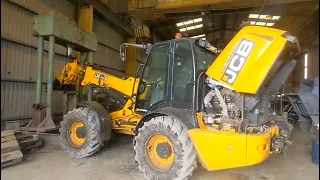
x: 204, y: 58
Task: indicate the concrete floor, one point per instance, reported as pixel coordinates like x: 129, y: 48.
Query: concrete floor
x: 116, y: 162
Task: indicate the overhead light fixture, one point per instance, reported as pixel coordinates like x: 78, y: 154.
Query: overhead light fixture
x: 275, y: 17
x: 197, y: 20
x: 253, y: 15
x: 199, y: 26
x: 264, y: 16
x: 191, y: 27
x: 252, y: 22
x: 202, y: 35
x: 270, y: 24
x: 188, y: 22
x: 180, y: 24
x: 261, y: 23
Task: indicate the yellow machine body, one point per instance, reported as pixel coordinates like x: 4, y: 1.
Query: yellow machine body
x: 223, y: 150
x: 236, y: 68
x: 70, y: 73
x: 101, y: 79
x: 128, y: 87
x: 252, y: 47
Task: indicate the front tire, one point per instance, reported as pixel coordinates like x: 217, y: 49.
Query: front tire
x: 164, y: 150
x: 79, y: 133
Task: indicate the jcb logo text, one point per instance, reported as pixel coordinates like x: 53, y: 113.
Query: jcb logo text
x: 237, y: 61
x: 100, y: 76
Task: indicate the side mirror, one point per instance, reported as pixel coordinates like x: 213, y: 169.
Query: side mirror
x: 123, y: 52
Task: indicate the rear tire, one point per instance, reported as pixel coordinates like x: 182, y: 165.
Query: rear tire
x: 185, y: 158
x: 91, y: 145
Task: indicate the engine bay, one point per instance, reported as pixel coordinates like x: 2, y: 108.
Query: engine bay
x: 226, y: 110
x: 221, y: 111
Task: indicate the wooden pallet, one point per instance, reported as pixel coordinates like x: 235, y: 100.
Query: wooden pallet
x: 14, y: 143
x: 10, y: 149
x: 31, y: 142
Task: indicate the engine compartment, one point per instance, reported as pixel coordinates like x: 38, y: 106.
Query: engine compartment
x: 221, y: 112
x: 230, y: 111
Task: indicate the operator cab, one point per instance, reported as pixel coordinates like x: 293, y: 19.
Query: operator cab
x: 170, y: 74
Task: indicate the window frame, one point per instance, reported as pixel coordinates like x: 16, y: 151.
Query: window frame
x: 167, y: 80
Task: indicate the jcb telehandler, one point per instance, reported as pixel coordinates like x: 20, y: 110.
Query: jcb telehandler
x: 189, y: 104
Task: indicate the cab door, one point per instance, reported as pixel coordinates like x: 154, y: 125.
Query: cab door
x: 153, y: 87
x: 183, y: 76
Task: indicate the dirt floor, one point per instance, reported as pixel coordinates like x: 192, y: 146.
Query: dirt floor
x: 116, y: 162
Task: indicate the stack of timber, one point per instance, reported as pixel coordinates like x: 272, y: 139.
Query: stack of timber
x: 28, y: 141
x: 10, y: 149
x: 14, y: 143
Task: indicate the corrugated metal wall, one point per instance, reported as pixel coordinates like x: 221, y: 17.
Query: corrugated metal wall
x: 19, y: 53
x: 108, y: 47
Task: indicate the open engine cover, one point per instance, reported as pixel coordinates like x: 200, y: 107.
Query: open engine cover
x: 244, y: 64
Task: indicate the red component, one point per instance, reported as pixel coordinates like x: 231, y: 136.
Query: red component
x: 264, y: 147
x: 123, y: 112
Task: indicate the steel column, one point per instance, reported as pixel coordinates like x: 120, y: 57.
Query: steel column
x: 131, y: 58
x: 50, y: 77
x: 39, y: 71
x: 38, y: 107
x: 85, y: 21
x: 47, y: 124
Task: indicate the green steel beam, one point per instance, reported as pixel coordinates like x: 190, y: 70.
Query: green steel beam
x: 39, y: 71
x: 65, y: 32
x: 50, y: 77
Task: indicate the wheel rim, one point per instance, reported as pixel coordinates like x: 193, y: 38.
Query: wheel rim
x: 76, y: 134
x: 160, y: 152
